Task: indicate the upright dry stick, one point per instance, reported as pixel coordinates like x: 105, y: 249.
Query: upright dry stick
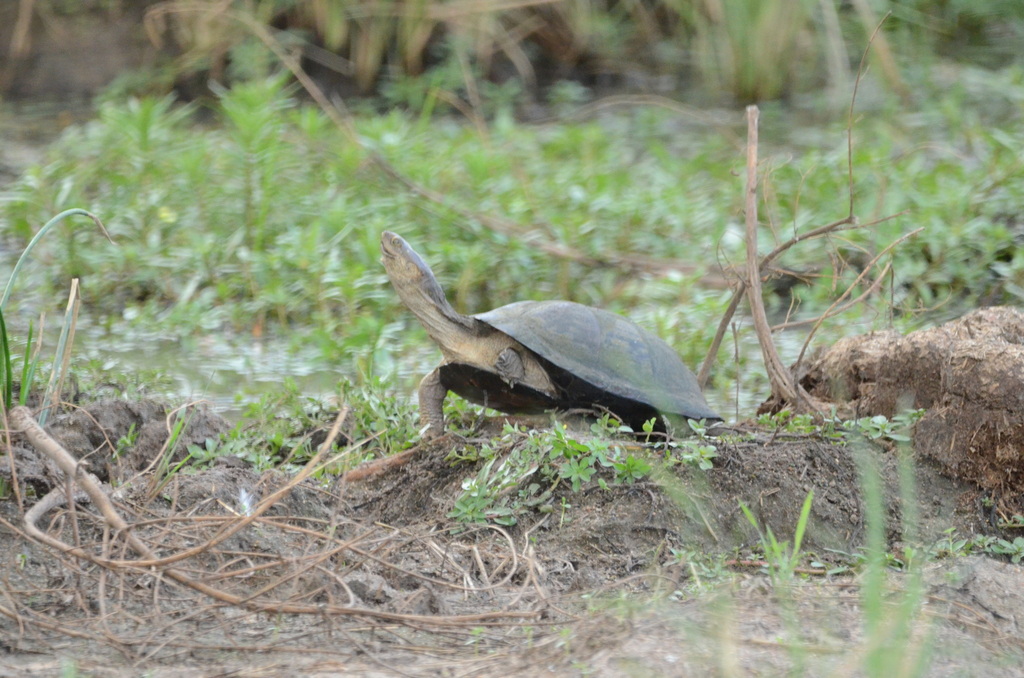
x: 778, y: 375
x: 63, y: 357
x: 849, y: 222
x: 784, y: 389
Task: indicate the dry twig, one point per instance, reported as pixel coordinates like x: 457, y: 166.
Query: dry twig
x: 173, y: 566
x: 784, y: 389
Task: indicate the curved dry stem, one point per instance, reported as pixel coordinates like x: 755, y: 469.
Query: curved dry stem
x: 867, y: 269
x: 39, y: 236
x: 837, y: 310
x: 847, y: 223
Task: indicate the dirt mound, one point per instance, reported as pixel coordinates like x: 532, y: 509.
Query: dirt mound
x: 374, y: 576
x: 968, y: 374
x: 625, y: 528
x: 598, y: 534
x: 116, y: 437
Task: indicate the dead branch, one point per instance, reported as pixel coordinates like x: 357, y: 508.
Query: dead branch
x: 22, y: 418
x: 763, y: 268
x: 835, y: 310
x: 380, y: 466
x: 782, y: 384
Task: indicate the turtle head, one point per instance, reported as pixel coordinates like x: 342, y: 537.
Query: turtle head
x: 410, y: 275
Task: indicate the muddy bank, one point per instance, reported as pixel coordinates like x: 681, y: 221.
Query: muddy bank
x: 312, y: 576
x: 685, y: 507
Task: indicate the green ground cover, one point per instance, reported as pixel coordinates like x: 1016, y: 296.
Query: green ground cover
x: 266, y: 218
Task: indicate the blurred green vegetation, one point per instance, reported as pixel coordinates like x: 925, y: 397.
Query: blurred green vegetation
x: 728, y: 50
x: 267, y: 218
x: 252, y: 212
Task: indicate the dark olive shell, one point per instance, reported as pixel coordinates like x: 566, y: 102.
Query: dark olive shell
x: 603, y: 358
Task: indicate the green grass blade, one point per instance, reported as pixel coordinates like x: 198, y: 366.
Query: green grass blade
x: 801, y: 525
x: 6, y: 377
x: 62, y: 356
x: 28, y: 376
x: 29, y: 365
x: 28, y: 368
x: 38, y: 236
x: 164, y: 473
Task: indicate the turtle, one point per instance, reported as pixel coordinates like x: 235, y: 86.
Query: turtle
x: 532, y: 356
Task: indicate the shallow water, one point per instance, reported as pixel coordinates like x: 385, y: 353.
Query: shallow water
x: 230, y: 371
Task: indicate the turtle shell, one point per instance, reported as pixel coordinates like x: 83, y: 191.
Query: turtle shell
x: 603, y: 359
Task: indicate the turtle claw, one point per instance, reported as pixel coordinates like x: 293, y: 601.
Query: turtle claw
x: 435, y: 434
x: 431, y: 431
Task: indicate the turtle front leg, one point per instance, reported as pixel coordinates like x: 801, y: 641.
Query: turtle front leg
x: 510, y: 367
x: 431, y: 394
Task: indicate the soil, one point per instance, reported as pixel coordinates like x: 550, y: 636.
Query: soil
x: 969, y: 376
x: 374, y: 578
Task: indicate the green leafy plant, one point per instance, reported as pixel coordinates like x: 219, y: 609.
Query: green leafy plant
x: 788, y: 422
x: 697, y: 451
x: 879, y: 427
x: 126, y: 442
x: 781, y: 557
x: 1014, y: 549
x: 30, y: 362
x: 536, y: 462
x: 631, y: 469
x: 480, y: 498
x: 950, y: 545
x: 578, y: 470
x: 199, y: 456
x: 280, y: 427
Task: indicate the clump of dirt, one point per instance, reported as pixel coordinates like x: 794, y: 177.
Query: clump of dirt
x: 92, y: 433
x: 969, y: 376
